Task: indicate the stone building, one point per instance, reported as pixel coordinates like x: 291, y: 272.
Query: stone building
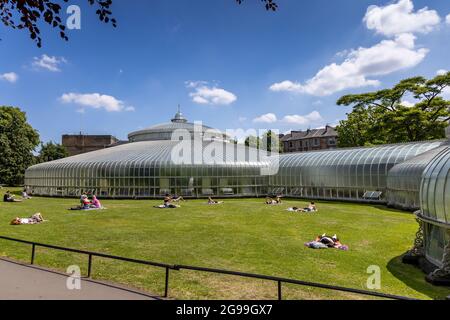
x: 80, y: 143
x: 310, y: 140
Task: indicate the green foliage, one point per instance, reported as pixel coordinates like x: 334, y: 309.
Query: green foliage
x: 52, y: 151
x: 27, y: 15
x: 382, y: 117
x: 17, y: 143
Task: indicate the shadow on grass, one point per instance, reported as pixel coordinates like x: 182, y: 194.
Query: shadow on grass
x: 414, y: 278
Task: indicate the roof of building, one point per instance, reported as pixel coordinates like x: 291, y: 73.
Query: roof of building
x: 164, y: 131
x: 326, y: 132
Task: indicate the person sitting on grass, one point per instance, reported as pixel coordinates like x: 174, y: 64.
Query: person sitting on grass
x: 311, y: 207
x: 8, y: 197
x: 96, y: 204
x: 85, y: 203
x: 167, y: 203
x: 25, y: 195
x: 34, y: 219
x: 211, y: 201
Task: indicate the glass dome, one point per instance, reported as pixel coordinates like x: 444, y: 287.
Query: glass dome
x: 404, y: 180
x: 352, y: 174
x: 148, y: 169
x: 435, y: 206
x: 165, y: 131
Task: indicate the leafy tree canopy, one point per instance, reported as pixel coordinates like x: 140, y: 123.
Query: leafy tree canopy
x: 385, y: 117
x: 27, y: 14
x: 52, y: 151
x: 18, y: 140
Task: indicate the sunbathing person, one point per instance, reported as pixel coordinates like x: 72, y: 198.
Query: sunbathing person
x: 311, y: 207
x: 25, y: 195
x: 85, y: 203
x: 8, y: 197
x: 34, y: 219
x: 176, y: 198
x: 271, y: 201
x: 168, y: 203
x: 96, y: 203
x: 211, y: 201
x: 324, y: 242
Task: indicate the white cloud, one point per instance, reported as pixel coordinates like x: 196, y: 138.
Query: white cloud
x: 10, y: 77
x: 383, y: 58
x: 303, y: 120
x: 399, y: 17
x: 447, y: 19
x: 407, y: 104
x: 441, y: 72
x: 96, y: 101
x: 50, y: 63
x: 266, y: 118
x: 446, y: 93
x: 205, y: 94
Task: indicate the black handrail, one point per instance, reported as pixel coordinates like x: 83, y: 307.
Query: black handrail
x: 169, y: 267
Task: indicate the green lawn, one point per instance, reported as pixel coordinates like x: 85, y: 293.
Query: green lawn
x: 242, y: 235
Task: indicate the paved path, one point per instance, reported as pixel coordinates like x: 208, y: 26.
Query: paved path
x: 23, y: 282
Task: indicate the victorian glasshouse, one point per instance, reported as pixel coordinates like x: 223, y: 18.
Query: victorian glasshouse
x: 169, y: 159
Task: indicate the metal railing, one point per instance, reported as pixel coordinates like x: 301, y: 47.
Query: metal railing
x: 169, y: 267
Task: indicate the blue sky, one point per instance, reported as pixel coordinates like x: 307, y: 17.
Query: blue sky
x: 228, y: 65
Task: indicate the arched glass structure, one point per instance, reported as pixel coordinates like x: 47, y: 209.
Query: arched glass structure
x: 179, y: 122
x: 435, y: 206
x: 404, y: 180
x: 348, y: 174
x: 147, y: 169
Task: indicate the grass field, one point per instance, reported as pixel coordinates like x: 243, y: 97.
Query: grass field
x: 241, y: 235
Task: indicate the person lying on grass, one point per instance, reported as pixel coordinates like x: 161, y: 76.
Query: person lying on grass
x: 8, y: 197
x: 275, y: 201
x: 211, y: 201
x: 325, y: 242
x: 34, y: 219
x: 310, y: 208
x: 175, y: 198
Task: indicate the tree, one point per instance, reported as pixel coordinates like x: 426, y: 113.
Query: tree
x: 18, y: 140
x: 271, y: 141
x: 52, y: 151
x: 384, y: 117
x: 269, y: 4
x: 253, y: 142
x: 27, y: 14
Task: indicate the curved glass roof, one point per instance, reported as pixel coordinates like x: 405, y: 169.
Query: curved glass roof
x: 404, y: 179
x: 159, y: 153
x: 164, y: 131
x: 435, y: 189
x: 362, y: 168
